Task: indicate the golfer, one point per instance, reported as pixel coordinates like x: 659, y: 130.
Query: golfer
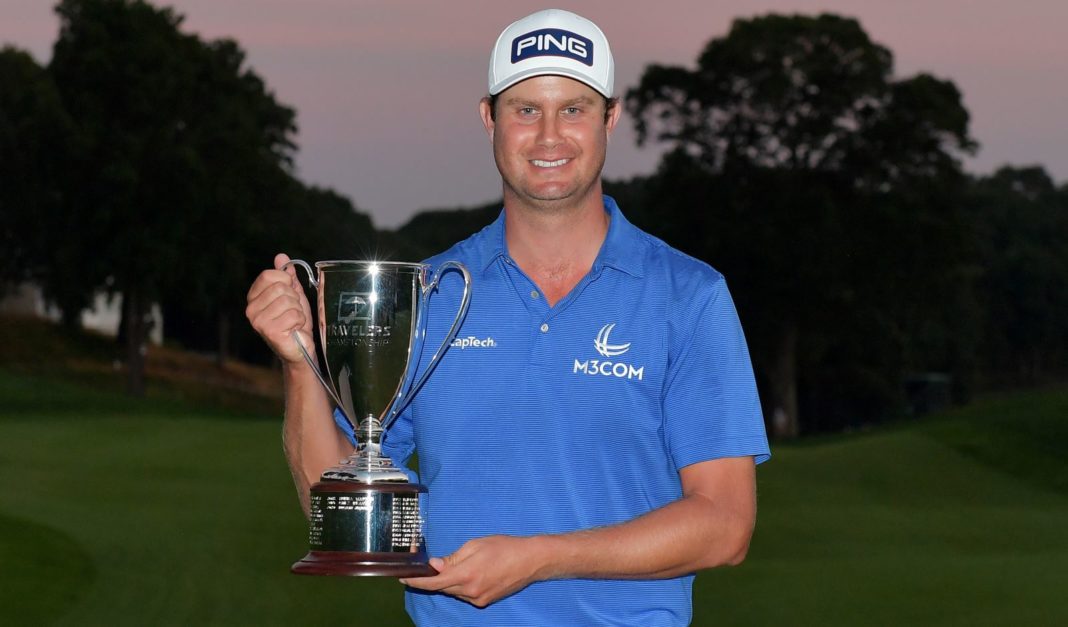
x: 590, y: 440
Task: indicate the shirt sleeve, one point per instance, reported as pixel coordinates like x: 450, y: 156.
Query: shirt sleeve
x: 711, y: 406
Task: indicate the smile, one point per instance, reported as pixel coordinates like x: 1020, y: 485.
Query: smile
x: 538, y: 163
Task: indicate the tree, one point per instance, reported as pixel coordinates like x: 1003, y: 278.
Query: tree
x: 1021, y: 224
x: 433, y: 231
x: 790, y: 138
x: 128, y: 78
x: 36, y: 145
x: 186, y: 172
x: 243, y: 141
x: 187, y: 167
x: 306, y: 222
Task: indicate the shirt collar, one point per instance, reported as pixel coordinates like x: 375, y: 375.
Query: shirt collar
x: 622, y: 245
x: 494, y: 242
x: 619, y: 250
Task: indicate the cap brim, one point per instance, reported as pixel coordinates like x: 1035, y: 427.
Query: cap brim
x: 549, y: 71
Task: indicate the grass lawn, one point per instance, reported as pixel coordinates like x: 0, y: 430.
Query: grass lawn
x: 158, y: 512
x: 119, y: 512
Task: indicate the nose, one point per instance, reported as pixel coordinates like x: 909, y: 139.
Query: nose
x: 549, y: 132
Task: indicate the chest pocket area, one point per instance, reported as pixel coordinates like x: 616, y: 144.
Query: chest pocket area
x: 614, y: 376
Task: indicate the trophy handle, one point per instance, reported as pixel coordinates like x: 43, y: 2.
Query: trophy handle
x: 465, y: 302
x: 304, y: 351
x: 307, y: 268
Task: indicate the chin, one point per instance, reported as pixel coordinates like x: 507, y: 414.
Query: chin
x: 552, y: 195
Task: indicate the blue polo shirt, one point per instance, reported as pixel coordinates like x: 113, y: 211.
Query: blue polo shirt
x: 545, y: 419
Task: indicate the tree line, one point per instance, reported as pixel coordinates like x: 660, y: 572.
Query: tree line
x: 148, y: 162
x: 155, y: 165
x: 873, y: 276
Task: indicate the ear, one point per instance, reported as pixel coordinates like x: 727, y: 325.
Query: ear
x: 485, y: 110
x: 613, y: 117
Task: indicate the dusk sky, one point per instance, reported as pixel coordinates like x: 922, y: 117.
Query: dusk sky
x: 387, y: 91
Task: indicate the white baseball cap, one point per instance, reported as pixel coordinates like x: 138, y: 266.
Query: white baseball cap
x: 552, y: 41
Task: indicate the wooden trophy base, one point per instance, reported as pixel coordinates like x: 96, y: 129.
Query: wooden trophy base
x: 360, y: 564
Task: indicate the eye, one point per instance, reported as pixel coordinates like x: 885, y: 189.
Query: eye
x: 572, y: 110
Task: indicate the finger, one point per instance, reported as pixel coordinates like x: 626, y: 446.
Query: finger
x: 285, y: 320
x: 272, y: 295
x: 280, y: 260
x: 265, y: 280
x: 446, y: 577
x: 280, y: 317
x: 436, y: 563
x: 434, y: 583
x: 280, y: 339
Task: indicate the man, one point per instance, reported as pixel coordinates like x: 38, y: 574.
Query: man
x: 597, y: 445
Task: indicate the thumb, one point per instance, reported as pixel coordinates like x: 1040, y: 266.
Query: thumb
x: 280, y: 260
x: 438, y: 564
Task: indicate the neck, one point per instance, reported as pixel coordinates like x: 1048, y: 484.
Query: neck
x: 556, y: 247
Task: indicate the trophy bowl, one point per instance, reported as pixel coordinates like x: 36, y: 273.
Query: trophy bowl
x: 365, y: 516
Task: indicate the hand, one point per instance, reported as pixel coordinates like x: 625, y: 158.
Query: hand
x: 277, y: 306
x: 484, y: 570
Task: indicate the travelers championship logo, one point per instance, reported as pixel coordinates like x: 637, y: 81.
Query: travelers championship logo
x: 352, y: 326
x: 607, y: 368
x: 353, y: 306
x: 552, y: 42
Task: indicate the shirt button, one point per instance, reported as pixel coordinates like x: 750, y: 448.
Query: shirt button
x: 544, y: 327
x: 534, y: 294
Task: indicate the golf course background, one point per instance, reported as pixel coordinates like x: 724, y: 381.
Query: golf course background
x: 177, y: 509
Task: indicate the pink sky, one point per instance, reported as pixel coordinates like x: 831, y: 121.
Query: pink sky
x: 386, y: 91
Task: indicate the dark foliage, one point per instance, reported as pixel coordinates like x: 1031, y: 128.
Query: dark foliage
x: 866, y: 267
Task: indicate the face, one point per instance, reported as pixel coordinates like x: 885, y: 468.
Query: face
x: 549, y: 140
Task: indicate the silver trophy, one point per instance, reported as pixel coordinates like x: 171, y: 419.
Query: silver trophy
x: 365, y: 517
